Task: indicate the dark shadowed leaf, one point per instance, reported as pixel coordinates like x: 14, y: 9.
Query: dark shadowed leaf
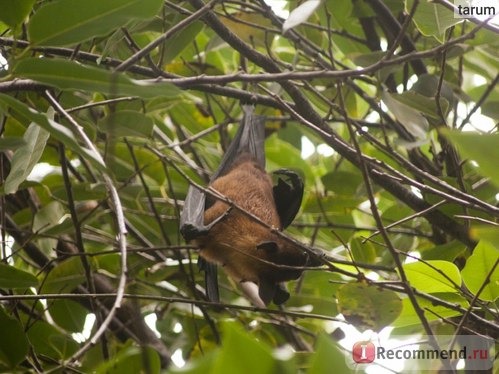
x: 13, y: 344
x: 68, y: 314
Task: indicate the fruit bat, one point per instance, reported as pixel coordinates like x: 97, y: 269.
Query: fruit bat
x: 246, y: 245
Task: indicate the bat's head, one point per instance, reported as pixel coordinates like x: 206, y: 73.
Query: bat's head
x: 284, y: 259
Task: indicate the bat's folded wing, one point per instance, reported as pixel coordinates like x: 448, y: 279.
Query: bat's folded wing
x: 192, y: 217
x: 288, y: 194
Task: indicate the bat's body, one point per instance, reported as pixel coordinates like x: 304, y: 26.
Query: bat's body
x: 247, y: 248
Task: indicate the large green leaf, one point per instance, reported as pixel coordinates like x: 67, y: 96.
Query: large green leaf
x: 68, y: 314
x: 26, y: 157
x: 368, y: 307
x: 13, y: 12
x: 484, y: 149
x: 433, y: 276
x: 11, y: 277
x: 327, y: 358
x: 240, y: 350
x: 432, y: 19
x: 478, y: 266
x: 47, y: 340
x: 69, y: 75
x: 448, y: 251
x: 67, y: 22
x: 13, y: 343
x: 432, y: 312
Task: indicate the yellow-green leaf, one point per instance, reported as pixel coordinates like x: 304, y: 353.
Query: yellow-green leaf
x: 433, y: 276
x: 481, y: 264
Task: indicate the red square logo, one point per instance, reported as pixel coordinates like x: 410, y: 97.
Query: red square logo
x: 363, y: 352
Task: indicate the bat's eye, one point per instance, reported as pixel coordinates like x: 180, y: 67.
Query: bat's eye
x: 270, y: 247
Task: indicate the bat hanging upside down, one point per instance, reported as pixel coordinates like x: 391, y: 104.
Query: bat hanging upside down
x: 247, y: 247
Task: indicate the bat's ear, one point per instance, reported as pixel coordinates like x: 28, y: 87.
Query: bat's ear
x: 269, y: 247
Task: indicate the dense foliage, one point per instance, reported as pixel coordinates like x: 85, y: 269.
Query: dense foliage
x: 110, y: 109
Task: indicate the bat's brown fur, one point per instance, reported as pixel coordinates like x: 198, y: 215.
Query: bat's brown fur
x: 240, y: 243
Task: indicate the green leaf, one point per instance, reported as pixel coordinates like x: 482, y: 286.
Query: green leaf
x: 423, y: 104
x: 241, y: 350
x: 13, y: 344
x: 64, y: 277
x: 131, y: 360
x: 280, y: 153
x: 11, y: 277
x: 11, y: 142
x: 485, y: 232
x: 55, y: 129
x: 127, y: 123
x: 68, y: 314
x: 362, y: 252
x: 448, y: 251
x: 432, y: 19
x: 433, y: 276
x: 327, y: 358
x: 48, y: 216
x: 69, y: 75
x: 178, y: 42
x: 26, y: 157
x: 351, y: 183
x: 478, y: 267
x: 409, y: 317
x: 367, y: 307
x: 484, y: 149
x: 67, y: 22
x: 48, y: 341
x: 413, y: 121
x: 14, y: 12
